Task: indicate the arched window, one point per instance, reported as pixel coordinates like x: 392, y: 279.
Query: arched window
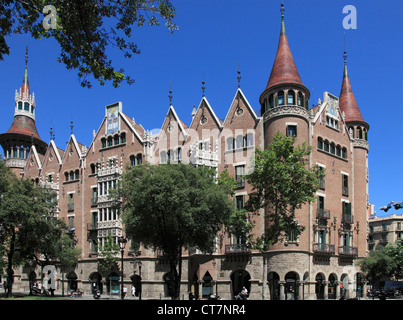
x: 19, y: 105
x: 249, y: 139
x: 139, y: 159
x: 271, y: 101
x: 230, y: 143
x: 344, y: 153
x: 123, y: 137
x: 332, y: 148
x: 179, y: 154
x: 132, y: 160
x: 300, y: 99
x: 21, y: 153
x: 320, y: 143
x: 66, y: 176
x: 239, y: 142
x: 76, y: 174
x: 359, y: 133
x: 326, y: 146
x: 280, y: 98
x: 109, y: 141
x: 291, y: 97
x: 163, y: 155
x: 338, y: 151
x: 116, y: 139
x: 71, y: 176
x: 103, y: 143
x: 26, y: 106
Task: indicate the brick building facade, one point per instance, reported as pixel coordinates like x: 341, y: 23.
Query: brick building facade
x: 320, y: 263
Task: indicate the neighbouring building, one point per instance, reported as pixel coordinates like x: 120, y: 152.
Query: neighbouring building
x: 319, y: 264
x: 384, y: 230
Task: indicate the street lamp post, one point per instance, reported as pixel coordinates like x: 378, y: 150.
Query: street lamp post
x: 122, y: 243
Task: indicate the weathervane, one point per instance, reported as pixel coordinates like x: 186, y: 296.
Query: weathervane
x: 239, y: 76
x: 203, y: 85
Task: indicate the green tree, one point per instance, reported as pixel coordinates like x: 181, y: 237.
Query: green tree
x: 384, y: 262
x: 282, y: 182
x: 174, y: 206
x: 30, y: 232
x: 85, y: 30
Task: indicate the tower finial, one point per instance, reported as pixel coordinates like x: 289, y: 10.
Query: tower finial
x: 71, y: 124
x: 52, y: 135
x: 345, y: 74
x: 170, y: 94
x: 26, y: 56
x: 203, y: 85
x: 239, y: 76
x: 282, y: 31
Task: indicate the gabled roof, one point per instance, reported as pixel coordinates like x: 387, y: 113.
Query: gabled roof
x: 205, y: 101
x: 34, y: 152
x: 241, y: 94
x: 73, y: 141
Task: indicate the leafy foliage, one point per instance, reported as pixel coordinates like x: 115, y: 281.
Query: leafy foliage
x: 384, y: 262
x: 30, y: 232
x: 85, y: 30
x: 174, y: 206
x: 282, y: 182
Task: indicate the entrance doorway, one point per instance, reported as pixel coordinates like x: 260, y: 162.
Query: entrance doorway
x: 291, y: 290
x: 239, y: 279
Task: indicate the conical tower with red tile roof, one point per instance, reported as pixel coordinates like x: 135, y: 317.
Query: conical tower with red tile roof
x: 23, y: 134
x: 285, y: 98
x: 349, y: 107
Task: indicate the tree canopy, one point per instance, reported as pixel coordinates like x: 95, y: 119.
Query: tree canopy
x: 85, y: 30
x: 384, y: 262
x: 282, y: 182
x: 30, y: 232
x: 174, y: 206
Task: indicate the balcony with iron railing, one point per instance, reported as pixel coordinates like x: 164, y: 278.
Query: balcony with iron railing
x: 323, y: 214
x: 347, y: 218
x: 237, y: 249
x: 240, y: 182
x: 348, y: 251
x: 323, y: 248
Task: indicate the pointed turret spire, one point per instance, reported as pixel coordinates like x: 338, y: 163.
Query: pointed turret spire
x: 284, y: 69
x: 25, y: 83
x: 347, y: 102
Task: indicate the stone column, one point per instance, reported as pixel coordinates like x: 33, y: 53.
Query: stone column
x: 337, y: 290
x: 300, y: 285
x: 282, y: 288
x: 325, y: 290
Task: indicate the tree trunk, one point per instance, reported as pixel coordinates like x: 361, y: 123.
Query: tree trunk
x: 10, y: 271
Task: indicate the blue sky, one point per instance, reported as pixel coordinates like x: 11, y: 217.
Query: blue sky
x: 214, y: 37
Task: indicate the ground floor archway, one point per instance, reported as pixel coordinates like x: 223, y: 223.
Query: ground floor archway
x: 239, y: 279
